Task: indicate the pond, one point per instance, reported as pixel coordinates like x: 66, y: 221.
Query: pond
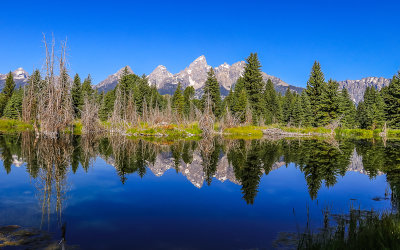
x: 119, y: 193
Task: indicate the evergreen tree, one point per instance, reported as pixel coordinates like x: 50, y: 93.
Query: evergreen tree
x: 107, y: 105
x: 298, y: 112
x: 271, y: 103
x: 7, y: 92
x: 87, y: 90
x: 254, y: 84
x: 375, y: 108
x: 392, y: 101
x: 307, y: 111
x: 178, y: 100
x: 241, y: 105
x: 76, y: 94
x: 315, y: 87
x: 362, y: 116
x: 328, y: 103
x: 347, y: 109
x: 211, y: 88
x: 13, y: 108
x: 288, y: 105
x: 188, y: 95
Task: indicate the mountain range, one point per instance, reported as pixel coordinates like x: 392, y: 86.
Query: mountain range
x: 196, y: 74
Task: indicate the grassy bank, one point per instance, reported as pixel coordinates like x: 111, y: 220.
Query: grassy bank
x: 13, y: 126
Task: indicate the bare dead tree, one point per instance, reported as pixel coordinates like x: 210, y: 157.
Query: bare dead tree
x: 206, y: 122
x: 55, y: 105
x: 90, y: 117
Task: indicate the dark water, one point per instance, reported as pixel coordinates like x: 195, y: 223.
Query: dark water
x: 117, y: 193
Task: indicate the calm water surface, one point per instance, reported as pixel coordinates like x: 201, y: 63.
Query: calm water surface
x: 118, y: 193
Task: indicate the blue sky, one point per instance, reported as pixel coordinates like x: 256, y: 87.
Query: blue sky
x: 351, y: 39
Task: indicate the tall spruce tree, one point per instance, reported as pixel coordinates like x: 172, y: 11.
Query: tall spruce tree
x: 107, y: 105
x: 13, y: 109
x: 211, y: 88
x: 76, y: 94
x: 328, y: 103
x: 307, y: 111
x: 178, y: 100
x: 271, y: 103
x: 241, y: 105
x: 188, y: 95
x: 315, y: 88
x: 7, y: 92
x: 347, y: 109
x: 392, y: 101
x: 362, y: 116
x: 375, y: 108
x: 87, y: 90
x: 254, y: 84
x: 287, y: 106
x: 297, y: 111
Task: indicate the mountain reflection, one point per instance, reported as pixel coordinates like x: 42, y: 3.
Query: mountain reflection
x: 242, y: 162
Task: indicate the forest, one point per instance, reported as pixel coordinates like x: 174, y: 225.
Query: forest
x: 54, y: 103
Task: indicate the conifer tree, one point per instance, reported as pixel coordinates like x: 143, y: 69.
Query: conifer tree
x: 241, y: 105
x: 211, y: 88
x: 271, y: 103
x: 392, y: 101
x: 107, y: 105
x: 7, y: 92
x: 288, y: 105
x: 307, y: 111
x: 362, y: 116
x: 375, y: 108
x: 314, y: 90
x: 297, y: 112
x: 13, y: 109
x: 178, y: 100
x: 328, y: 103
x: 254, y: 84
x: 347, y: 109
x: 76, y: 94
x: 188, y: 95
x: 87, y: 90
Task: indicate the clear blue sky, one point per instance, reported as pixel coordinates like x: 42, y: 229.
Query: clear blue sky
x: 351, y: 39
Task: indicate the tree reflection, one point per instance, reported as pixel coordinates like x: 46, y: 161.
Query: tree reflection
x: 321, y: 161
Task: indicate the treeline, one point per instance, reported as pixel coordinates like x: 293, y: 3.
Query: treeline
x: 250, y: 101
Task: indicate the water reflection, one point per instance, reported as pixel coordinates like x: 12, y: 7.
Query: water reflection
x: 50, y: 162
x: 239, y: 161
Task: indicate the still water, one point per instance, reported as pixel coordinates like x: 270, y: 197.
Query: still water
x: 119, y: 193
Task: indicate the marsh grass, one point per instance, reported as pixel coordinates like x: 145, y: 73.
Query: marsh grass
x: 359, y: 229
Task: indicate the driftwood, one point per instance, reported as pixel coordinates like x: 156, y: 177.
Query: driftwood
x: 277, y: 132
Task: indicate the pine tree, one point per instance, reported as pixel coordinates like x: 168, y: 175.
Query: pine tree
x: 362, y: 116
x: 392, y: 101
x: 211, y: 88
x: 76, y: 94
x: 315, y: 87
x: 375, y: 108
x: 271, y: 103
x: 7, y: 92
x: 297, y: 112
x: 254, y: 84
x: 347, y: 109
x: 178, y: 100
x: 188, y: 95
x: 328, y: 103
x: 87, y: 90
x: 307, y: 111
x: 13, y: 108
x: 107, y: 105
x: 288, y: 105
x: 241, y: 105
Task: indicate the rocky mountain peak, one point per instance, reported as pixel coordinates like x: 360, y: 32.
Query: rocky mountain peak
x: 356, y: 88
x: 20, y: 73
x: 159, y: 75
x: 112, y: 80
